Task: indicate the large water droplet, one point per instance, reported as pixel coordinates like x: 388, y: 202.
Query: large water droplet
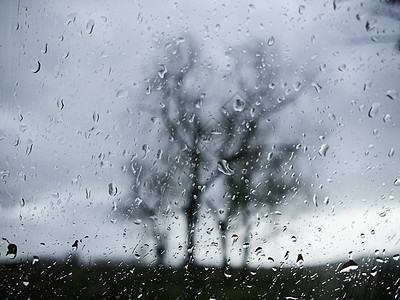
x: 300, y: 260
x: 112, y: 189
x: 12, y: 250
x: 323, y: 149
x: 238, y: 105
x: 224, y: 168
x: 35, y: 259
x: 351, y: 265
x: 90, y: 26
x: 373, y: 111
x: 75, y: 245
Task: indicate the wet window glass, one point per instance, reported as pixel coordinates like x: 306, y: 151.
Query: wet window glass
x: 211, y: 150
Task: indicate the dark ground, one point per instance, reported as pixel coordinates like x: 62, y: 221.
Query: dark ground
x: 374, y: 279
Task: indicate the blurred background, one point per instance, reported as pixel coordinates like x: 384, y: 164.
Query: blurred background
x: 178, y: 135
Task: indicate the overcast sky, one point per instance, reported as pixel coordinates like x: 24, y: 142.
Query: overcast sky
x: 73, y: 81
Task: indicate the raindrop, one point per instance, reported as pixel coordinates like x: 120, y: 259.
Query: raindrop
x: 396, y: 257
x: 162, y: 71
x: 323, y: 149
x: 96, y: 117
x: 294, y: 239
x: 217, y: 27
x: 29, y: 147
x: 112, y: 189
x: 383, y: 214
x: 332, y: 117
x: 392, y: 94
x: 297, y: 86
x: 370, y: 25
x: 349, y: 266
x: 36, y: 68
x: 159, y: 153
x: 75, y: 245
x: 90, y: 26
x: 198, y: 103
x: 300, y: 260
x: 35, y: 259
x: 44, y: 51
x: 60, y: 103
x: 286, y: 255
x: 397, y: 182
x: 137, y: 221
x: 391, y: 152
x: 314, y: 199
x: 258, y: 250
x: 317, y: 87
x: 302, y: 8
x: 11, y: 250
x: 269, y: 156
x: 246, y: 245
x: 238, y: 105
x: 224, y: 168
x: 121, y: 94
x: 342, y: 67
x: 234, y: 238
x: 373, y: 111
x: 271, y: 41
x: 322, y: 67
x: 251, y: 8
x: 88, y: 193
x: 387, y: 118
x: 22, y: 202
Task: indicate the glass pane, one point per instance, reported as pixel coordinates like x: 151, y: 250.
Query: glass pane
x: 226, y: 150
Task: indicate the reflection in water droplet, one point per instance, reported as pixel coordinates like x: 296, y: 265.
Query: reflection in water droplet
x: 392, y: 94
x: 323, y: 149
x: 351, y: 265
x: 224, y: 168
x: 90, y: 26
x: 373, y: 111
x: 271, y: 41
x: 112, y: 189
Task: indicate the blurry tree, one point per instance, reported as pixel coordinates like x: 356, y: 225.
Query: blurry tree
x: 231, y: 148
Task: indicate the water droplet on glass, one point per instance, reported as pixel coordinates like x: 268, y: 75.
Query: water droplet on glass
x: 198, y: 103
x: 88, y: 193
x: 36, y: 67
x: 323, y: 149
x: 392, y: 94
x: 317, y: 87
x: 137, y: 221
x: 12, y: 250
x: 314, y: 199
x: 90, y: 26
x: 302, y: 8
x: 224, y: 168
x: 234, y: 238
x: 271, y: 41
x: 286, y: 256
x: 22, y: 202
x: 60, y: 103
x: 29, y: 147
x: 96, y: 117
x: 251, y: 8
x: 75, y: 245
x: 35, y: 259
x: 246, y: 245
x: 387, y: 118
x: 322, y: 67
x: 300, y: 260
x: 342, y: 67
x: 382, y: 214
x: 391, y: 152
x: 121, y: 94
x: 373, y: 111
x: 397, y: 182
x: 396, y: 257
x: 44, y: 51
x: 294, y: 239
x: 297, y: 86
x: 112, y: 189
x: 159, y: 153
x: 348, y: 266
x: 162, y: 71
x: 238, y: 105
